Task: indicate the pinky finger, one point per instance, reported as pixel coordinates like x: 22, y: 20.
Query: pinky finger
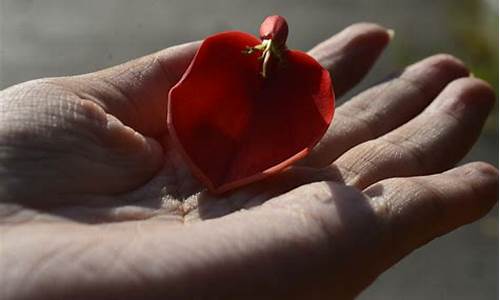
x: 415, y: 210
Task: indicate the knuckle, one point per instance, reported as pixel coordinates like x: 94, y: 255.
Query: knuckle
x: 431, y: 205
x: 410, y: 151
x: 416, y: 216
x: 425, y: 204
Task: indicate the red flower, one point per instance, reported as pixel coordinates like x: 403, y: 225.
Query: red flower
x: 247, y: 108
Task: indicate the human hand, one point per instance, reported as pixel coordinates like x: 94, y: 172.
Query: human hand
x: 95, y: 204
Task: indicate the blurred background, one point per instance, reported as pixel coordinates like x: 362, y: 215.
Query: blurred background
x: 41, y: 38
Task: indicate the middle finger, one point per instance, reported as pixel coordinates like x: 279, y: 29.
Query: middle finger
x: 385, y: 107
x: 432, y: 142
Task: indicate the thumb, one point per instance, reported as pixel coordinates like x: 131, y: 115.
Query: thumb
x: 136, y: 92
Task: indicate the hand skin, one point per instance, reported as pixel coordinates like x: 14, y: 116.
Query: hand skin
x: 95, y: 203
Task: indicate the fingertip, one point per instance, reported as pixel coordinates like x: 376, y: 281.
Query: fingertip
x: 482, y: 176
x: 391, y: 34
x: 126, y: 140
x: 355, y: 38
x: 478, y: 171
x: 133, y: 157
x: 466, y: 95
x: 367, y: 35
x: 486, y: 169
x: 441, y: 65
x: 446, y: 59
x: 474, y: 87
x: 366, y: 27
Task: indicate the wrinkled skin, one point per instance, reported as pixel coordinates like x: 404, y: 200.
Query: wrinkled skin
x: 95, y: 204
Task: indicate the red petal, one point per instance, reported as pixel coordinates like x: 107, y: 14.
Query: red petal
x: 235, y: 127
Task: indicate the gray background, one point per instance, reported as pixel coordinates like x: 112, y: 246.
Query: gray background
x: 57, y: 37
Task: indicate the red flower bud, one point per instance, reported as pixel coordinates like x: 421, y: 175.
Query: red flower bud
x: 274, y: 28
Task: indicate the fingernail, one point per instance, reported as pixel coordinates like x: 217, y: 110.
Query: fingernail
x: 391, y: 34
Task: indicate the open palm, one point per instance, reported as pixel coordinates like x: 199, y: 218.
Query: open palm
x: 96, y: 204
